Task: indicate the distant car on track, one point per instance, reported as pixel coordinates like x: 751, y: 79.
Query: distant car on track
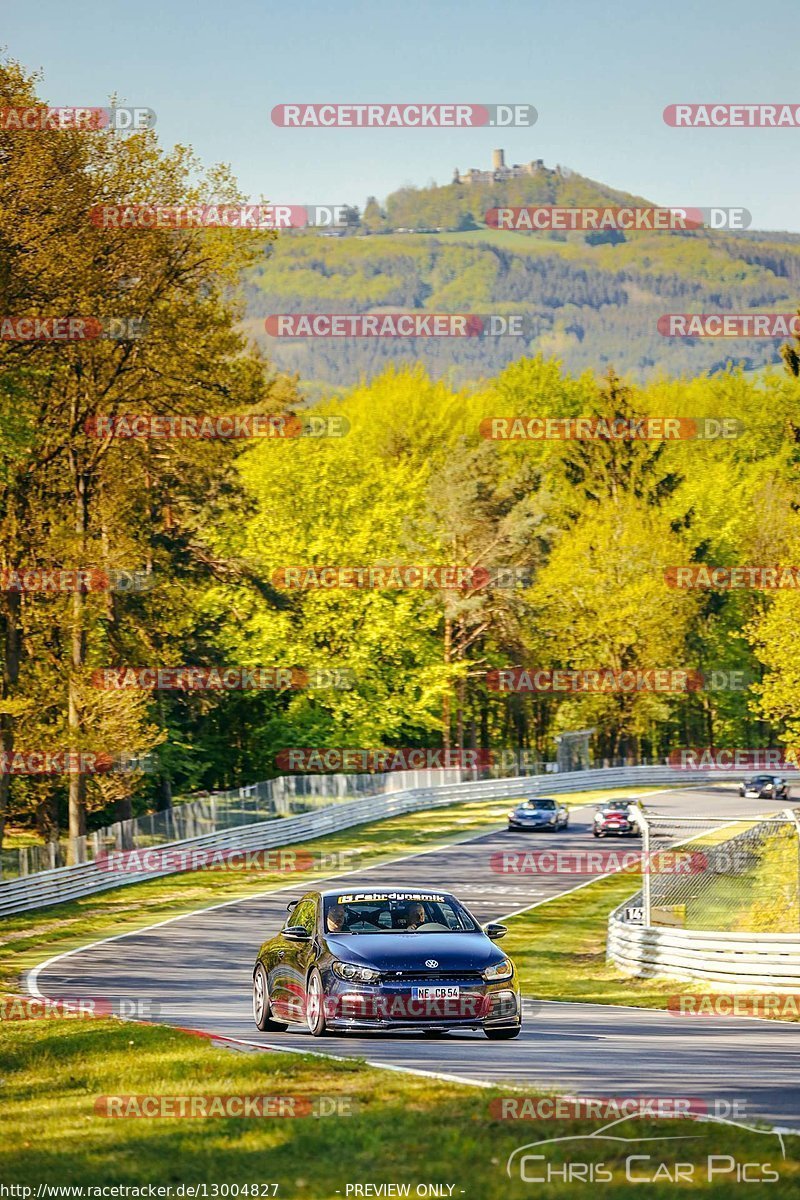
x: 765, y: 787
x: 400, y: 959
x: 617, y: 818
x: 538, y: 813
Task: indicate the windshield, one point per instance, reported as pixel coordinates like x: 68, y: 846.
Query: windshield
x: 386, y: 913
x: 540, y: 804
x: 760, y: 780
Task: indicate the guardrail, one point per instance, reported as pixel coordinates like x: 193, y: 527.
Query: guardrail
x: 739, y: 959
x: 86, y: 878
x: 763, y: 960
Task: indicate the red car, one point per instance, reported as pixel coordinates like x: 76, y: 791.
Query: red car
x: 616, y: 819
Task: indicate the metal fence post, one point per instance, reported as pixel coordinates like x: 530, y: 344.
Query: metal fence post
x: 646, y: 878
x: 792, y: 816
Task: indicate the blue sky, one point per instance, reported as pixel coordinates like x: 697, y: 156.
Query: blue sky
x: 599, y: 76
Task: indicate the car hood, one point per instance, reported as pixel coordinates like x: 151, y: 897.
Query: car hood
x: 524, y: 811
x: 408, y: 951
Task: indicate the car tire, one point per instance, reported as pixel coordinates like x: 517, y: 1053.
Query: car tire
x: 261, y: 1004
x: 597, y: 833
x: 315, y: 1004
x: 503, y: 1035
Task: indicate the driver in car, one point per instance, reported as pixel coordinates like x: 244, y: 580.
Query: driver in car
x: 336, y: 918
x: 416, y: 916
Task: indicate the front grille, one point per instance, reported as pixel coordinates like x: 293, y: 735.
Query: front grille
x: 430, y: 976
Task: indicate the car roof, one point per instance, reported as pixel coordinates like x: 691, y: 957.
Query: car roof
x: 402, y: 893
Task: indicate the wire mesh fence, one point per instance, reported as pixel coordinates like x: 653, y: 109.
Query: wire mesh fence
x: 718, y: 873
x: 267, y: 800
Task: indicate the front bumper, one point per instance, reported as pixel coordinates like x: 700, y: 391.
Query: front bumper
x: 391, y: 1006
x: 514, y: 823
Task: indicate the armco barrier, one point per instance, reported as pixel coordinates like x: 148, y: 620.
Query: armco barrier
x: 84, y: 879
x: 741, y: 959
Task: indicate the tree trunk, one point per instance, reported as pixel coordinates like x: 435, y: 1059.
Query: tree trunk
x: 77, y: 781
x: 446, y: 703
x: 11, y: 662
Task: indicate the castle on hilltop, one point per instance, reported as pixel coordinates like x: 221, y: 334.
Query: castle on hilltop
x: 499, y: 172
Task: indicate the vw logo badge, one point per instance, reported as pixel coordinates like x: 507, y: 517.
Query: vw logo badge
x: 431, y: 962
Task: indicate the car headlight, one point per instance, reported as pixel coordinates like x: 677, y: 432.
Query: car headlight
x: 501, y: 970
x: 355, y: 974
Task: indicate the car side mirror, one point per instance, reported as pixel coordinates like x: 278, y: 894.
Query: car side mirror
x: 495, y: 931
x: 291, y: 905
x: 296, y: 933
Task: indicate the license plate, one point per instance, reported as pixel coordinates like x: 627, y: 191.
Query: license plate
x: 435, y: 993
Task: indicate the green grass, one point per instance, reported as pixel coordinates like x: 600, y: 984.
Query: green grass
x: 14, y: 838
x: 399, y: 1128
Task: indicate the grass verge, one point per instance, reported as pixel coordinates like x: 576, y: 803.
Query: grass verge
x: 560, y: 951
x: 387, y: 1127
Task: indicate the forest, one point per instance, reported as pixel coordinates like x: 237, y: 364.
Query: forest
x: 123, y: 556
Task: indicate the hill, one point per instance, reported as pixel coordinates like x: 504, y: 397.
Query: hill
x: 591, y: 300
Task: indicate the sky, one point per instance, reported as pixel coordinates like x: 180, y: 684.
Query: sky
x: 599, y: 76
